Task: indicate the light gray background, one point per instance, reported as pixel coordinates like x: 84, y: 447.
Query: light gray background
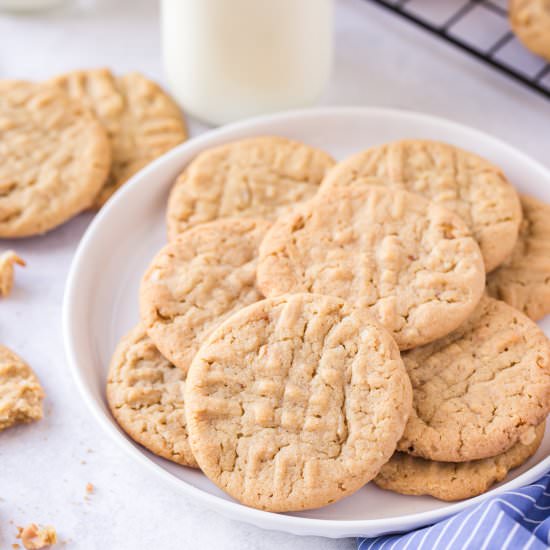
x: 44, y: 467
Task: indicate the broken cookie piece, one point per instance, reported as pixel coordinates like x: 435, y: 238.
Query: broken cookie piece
x: 34, y: 537
x: 7, y: 261
x: 20, y: 392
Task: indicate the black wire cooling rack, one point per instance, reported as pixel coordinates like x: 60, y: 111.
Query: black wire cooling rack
x: 480, y: 28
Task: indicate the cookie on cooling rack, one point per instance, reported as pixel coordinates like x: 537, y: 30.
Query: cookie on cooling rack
x: 530, y: 20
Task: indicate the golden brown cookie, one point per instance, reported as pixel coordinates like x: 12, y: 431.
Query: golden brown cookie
x: 479, y: 390
x: 262, y: 177
x: 296, y: 402
x: 523, y: 281
x: 55, y: 158
x: 197, y: 281
x: 411, y: 262
x: 460, y: 181
x: 20, y: 392
x: 8, y: 260
x: 450, y: 481
x: 530, y: 20
x: 141, y: 120
x: 145, y: 394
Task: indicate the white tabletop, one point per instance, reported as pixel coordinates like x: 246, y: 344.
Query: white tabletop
x: 44, y: 467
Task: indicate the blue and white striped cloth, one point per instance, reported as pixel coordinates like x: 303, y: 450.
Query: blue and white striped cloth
x: 514, y: 520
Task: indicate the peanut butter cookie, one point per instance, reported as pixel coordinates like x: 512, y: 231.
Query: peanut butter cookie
x: 530, y: 20
x: 141, y: 120
x: 262, y: 177
x: 523, y: 281
x: 450, y: 481
x: 460, y: 181
x: 479, y: 390
x: 20, y: 392
x: 55, y: 158
x: 197, y: 281
x: 413, y: 263
x: 296, y: 402
x: 145, y: 395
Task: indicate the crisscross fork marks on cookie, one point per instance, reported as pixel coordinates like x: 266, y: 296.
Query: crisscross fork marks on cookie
x: 195, y: 282
x: 141, y: 119
x: 413, y: 263
x: 295, y: 401
x: 460, y: 181
x: 480, y: 389
x: 262, y: 177
x: 55, y: 157
x: 145, y: 393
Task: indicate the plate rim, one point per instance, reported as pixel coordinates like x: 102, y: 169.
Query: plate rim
x: 332, y: 528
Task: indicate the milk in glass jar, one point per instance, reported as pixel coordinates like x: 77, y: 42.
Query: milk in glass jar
x: 230, y: 59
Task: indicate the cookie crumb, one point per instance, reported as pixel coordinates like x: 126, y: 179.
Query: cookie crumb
x: 34, y: 537
x: 7, y: 260
x: 15, y: 546
x: 90, y: 488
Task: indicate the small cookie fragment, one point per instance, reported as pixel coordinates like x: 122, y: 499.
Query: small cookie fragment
x: 20, y: 392
x: 197, y: 281
x: 458, y: 180
x: 479, y: 390
x: 34, y: 537
x: 261, y: 177
x: 530, y: 20
x: 8, y: 259
x: 296, y: 402
x: 523, y: 281
x: 413, y: 263
x: 410, y: 475
x: 55, y: 158
x: 142, y: 121
x: 145, y: 395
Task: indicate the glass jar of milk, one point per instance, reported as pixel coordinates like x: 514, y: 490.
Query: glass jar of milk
x: 231, y: 59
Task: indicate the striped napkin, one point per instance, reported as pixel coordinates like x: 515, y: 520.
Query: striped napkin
x: 514, y: 520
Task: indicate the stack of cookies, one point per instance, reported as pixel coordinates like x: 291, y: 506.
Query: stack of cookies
x: 67, y: 144
x: 312, y: 326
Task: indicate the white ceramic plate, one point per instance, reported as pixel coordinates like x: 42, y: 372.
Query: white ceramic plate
x: 101, y: 302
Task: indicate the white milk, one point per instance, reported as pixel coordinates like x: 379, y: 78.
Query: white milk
x: 230, y: 59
